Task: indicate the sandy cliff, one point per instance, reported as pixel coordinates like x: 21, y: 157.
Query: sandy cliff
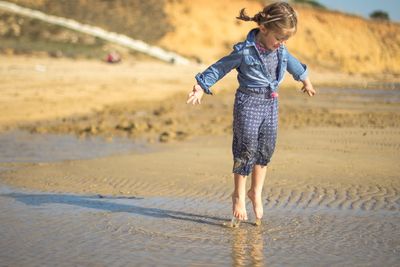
x: 207, y: 29
x: 332, y: 40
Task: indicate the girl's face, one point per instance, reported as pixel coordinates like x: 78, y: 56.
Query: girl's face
x: 272, y: 40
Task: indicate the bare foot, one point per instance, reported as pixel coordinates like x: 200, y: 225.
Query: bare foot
x: 257, y: 203
x: 239, y: 207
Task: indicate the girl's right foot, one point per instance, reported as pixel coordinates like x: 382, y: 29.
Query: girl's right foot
x: 239, y: 208
x: 257, y: 205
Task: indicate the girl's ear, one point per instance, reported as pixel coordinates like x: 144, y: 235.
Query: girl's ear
x: 263, y: 29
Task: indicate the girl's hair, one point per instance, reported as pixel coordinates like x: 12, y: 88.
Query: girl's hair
x: 277, y: 17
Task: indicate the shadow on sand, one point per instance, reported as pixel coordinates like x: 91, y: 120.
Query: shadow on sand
x: 98, y: 202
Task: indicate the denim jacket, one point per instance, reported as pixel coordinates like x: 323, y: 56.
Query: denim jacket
x: 252, y: 73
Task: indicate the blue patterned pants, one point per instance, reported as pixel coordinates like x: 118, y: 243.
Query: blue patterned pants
x: 255, y: 122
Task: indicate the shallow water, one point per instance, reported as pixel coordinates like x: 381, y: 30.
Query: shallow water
x: 21, y: 146
x: 363, y: 95
x: 43, y: 229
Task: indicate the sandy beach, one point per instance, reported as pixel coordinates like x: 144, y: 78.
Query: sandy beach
x: 331, y: 195
x: 106, y: 165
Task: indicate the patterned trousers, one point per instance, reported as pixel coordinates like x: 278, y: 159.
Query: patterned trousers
x: 255, y: 122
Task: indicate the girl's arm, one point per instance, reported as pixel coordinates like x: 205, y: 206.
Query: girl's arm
x: 299, y: 72
x: 213, y: 74
x: 297, y: 69
x: 219, y: 69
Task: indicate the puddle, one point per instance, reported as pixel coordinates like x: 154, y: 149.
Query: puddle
x: 90, y: 230
x: 20, y: 146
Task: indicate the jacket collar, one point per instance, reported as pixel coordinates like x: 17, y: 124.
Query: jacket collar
x: 251, y: 37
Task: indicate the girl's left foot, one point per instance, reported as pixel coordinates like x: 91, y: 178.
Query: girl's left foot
x: 257, y: 205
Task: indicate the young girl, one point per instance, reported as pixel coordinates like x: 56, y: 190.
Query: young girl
x: 261, y: 61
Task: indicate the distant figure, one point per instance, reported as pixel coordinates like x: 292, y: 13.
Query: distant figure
x: 261, y: 61
x: 113, y: 57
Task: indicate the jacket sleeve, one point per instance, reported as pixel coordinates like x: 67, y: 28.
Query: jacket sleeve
x: 219, y: 69
x: 298, y: 70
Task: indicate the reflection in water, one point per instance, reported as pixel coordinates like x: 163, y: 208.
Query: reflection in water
x: 155, y: 231
x: 247, y: 247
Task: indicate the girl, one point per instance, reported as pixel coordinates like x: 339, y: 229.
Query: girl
x: 261, y: 61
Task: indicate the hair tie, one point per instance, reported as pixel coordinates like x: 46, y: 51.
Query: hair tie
x: 272, y: 20
x: 273, y: 16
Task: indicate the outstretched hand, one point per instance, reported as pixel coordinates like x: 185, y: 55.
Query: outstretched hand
x: 308, y: 88
x: 195, y: 95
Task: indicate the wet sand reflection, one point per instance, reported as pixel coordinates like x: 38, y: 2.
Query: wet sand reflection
x: 247, y: 247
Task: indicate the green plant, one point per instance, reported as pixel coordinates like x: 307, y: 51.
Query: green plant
x: 379, y: 15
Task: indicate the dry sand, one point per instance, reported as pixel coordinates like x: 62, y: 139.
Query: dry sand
x: 332, y: 183
x: 36, y: 89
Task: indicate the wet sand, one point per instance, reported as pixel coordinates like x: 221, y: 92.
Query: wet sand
x: 339, y: 168
x: 331, y: 195
x: 329, y: 199
x: 85, y: 230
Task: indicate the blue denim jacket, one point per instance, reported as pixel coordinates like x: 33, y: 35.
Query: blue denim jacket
x: 251, y: 71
